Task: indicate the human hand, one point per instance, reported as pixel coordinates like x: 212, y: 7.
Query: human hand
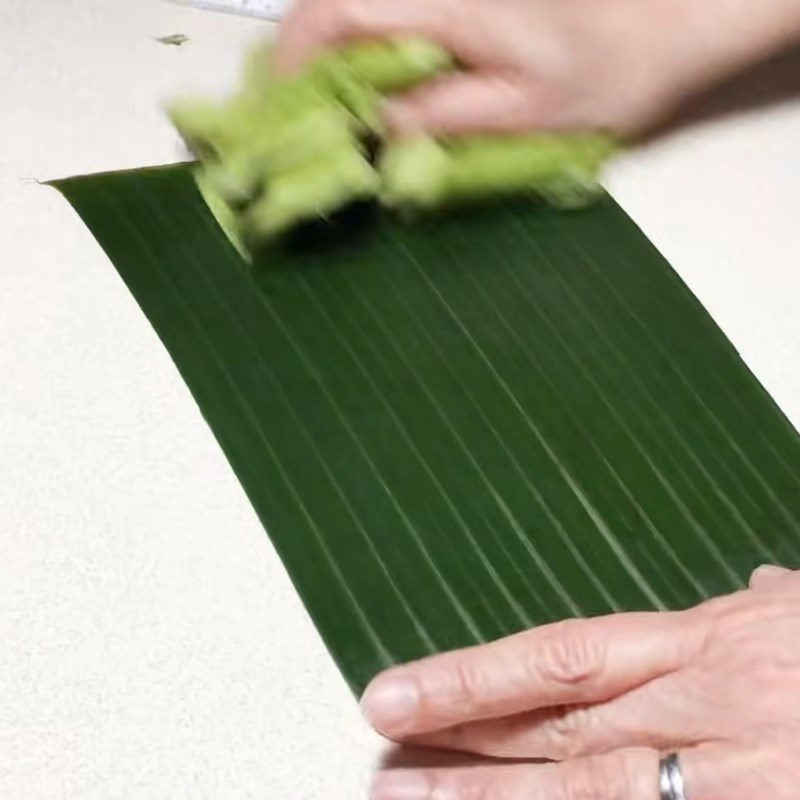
x: 618, y: 65
x: 608, y: 697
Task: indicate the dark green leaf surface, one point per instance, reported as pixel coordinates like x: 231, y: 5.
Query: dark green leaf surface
x: 461, y: 428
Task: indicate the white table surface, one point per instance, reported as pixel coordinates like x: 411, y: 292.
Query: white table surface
x: 151, y: 644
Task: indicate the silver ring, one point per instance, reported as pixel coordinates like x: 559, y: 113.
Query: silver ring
x: 670, y: 778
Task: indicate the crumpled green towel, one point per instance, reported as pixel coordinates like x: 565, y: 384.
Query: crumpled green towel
x: 283, y: 151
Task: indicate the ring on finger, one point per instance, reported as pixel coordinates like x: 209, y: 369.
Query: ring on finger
x: 670, y: 779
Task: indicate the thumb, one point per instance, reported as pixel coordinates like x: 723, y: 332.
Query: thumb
x: 466, y: 103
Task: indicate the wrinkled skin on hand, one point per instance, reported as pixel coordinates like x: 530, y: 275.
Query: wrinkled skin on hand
x: 619, y: 65
x: 605, y: 698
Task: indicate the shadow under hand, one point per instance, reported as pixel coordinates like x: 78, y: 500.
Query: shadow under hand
x: 768, y: 83
x: 408, y: 757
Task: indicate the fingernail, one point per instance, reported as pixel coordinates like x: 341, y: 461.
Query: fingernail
x: 390, y: 703
x: 399, y: 785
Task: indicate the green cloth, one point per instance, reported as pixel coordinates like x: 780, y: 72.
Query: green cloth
x: 287, y: 150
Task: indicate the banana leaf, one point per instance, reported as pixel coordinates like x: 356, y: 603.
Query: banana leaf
x: 456, y: 429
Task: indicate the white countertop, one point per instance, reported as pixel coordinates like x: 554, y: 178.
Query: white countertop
x: 151, y: 644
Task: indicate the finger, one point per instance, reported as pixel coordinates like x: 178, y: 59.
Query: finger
x: 766, y: 575
x: 623, y: 775
x: 661, y: 715
x: 577, y: 661
x: 555, y: 735
x: 741, y: 771
x: 471, y: 103
x: 315, y: 25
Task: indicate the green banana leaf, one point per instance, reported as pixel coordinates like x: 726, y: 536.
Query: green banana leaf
x: 456, y: 429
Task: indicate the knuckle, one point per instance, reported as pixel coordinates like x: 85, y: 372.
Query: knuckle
x: 599, y: 778
x: 566, y: 734
x: 467, y: 685
x: 570, y: 657
x: 718, y: 609
x: 454, y: 690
